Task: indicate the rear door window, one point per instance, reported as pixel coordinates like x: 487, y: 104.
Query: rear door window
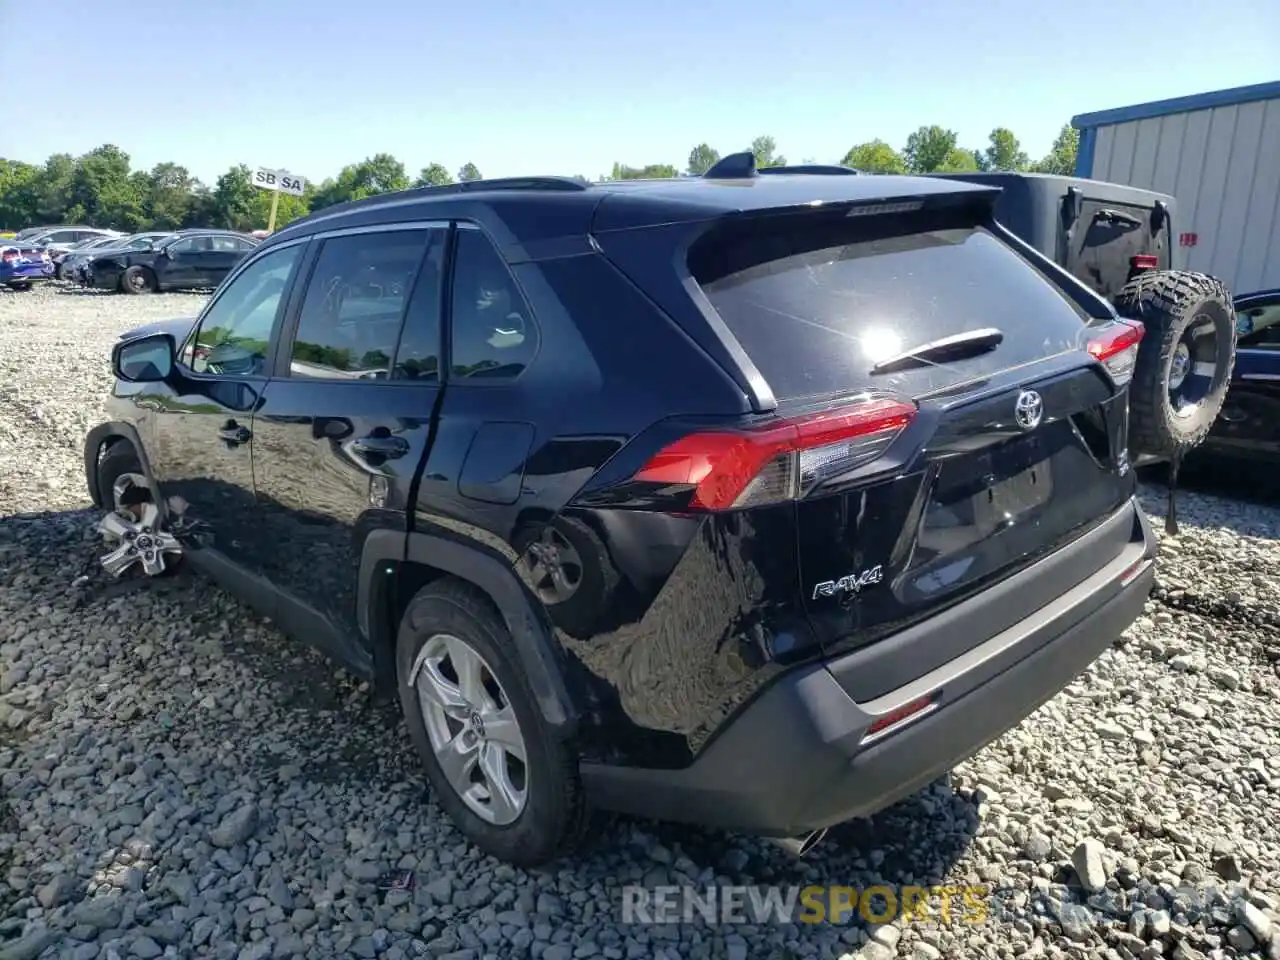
x: 818, y: 302
x: 494, y: 334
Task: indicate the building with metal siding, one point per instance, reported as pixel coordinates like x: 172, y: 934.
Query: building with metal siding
x: 1218, y: 155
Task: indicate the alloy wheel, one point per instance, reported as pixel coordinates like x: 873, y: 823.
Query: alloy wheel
x: 473, y: 729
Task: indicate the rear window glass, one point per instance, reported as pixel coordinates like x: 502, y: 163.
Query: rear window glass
x: 817, y: 307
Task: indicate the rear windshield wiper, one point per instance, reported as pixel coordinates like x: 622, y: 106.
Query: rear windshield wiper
x: 956, y: 347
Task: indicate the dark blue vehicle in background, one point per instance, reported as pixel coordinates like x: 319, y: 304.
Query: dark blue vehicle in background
x: 22, y: 264
x: 1248, y: 427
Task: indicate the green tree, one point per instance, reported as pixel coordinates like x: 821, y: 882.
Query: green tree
x: 469, y: 171
x: 51, y: 191
x: 169, y: 196
x: 1004, y: 152
x: 653, y: 171
x: 233, y: 200
x: 290, y: 208
x: 18, y: 199
x: 433, y: 175
x: 200, y: 211
x: 381, y: 173
x: 102, y: 192
x: 875, y: 156
x: 766, y: 152
x: 701, y: 159
x: 959, y: 160
x: 928, y: 148
x: 1061, y: 158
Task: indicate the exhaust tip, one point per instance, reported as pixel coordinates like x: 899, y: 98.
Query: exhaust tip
x: 800, y: 846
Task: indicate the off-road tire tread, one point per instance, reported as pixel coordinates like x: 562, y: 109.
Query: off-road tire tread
x: 573, y: 826
x: 1162, y: 302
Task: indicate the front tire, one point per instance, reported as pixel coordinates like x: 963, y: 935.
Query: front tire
x: 138, y: 280
x: 1184, y: 362
x: 505, y: 780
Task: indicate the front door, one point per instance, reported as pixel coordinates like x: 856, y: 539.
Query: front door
x: 345, y: 423
x: 203, y: 435
x: 175, y: 265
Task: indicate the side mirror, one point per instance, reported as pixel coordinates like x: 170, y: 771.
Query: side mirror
x: 148, y: 359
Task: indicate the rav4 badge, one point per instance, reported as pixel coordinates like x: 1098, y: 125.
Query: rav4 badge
x: 849, y: 583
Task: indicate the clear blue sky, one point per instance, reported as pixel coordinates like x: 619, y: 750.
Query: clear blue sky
x: 549, y: 86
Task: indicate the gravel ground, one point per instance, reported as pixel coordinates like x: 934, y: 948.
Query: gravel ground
x: 178, y: 779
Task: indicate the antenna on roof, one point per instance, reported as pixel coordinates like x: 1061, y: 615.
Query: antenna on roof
x: 736, y: 166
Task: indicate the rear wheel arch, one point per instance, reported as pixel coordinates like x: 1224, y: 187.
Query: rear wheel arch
x: 394, y: 566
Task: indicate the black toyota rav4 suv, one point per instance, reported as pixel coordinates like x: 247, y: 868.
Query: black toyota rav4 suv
x: 757, y: 500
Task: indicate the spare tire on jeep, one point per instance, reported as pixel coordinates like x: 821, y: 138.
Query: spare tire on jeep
x: 1184, y: 362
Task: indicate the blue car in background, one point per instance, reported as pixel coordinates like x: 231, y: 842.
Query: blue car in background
x: 23, y: 264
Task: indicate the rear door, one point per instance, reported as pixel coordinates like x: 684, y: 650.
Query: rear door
x: 1105, y: 239
x: 1018, y: 445
x: 345, y: 422
x: 490, y: 415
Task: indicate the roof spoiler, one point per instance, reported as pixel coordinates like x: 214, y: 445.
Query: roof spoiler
x: 742, y: 166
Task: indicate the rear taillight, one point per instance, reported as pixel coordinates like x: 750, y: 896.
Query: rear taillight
x: 783, y: 461
x: 1144, y: 261
x: 9, y: 256
x: 1116, y: 348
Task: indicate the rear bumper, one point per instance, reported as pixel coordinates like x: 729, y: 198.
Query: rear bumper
x: 798, y: 758
x: 27, y: 274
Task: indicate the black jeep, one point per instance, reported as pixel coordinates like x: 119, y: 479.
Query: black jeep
x: 750, y: 500
x: 1122, y: 242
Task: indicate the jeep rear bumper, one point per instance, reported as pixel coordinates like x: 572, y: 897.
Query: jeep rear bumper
x: 798, y: 758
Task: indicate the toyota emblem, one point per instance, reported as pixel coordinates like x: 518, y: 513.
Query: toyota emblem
x: 1029, y: 410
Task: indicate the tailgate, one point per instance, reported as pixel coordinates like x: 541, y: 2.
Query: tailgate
x: 1019, y: 443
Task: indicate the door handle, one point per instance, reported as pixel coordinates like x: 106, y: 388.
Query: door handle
x: 389, y: 447
x: 234, y: 434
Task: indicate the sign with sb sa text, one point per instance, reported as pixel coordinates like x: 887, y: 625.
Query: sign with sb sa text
x: 280, y: 180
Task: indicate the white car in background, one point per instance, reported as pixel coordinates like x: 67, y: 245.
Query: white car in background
x: 61, y: 239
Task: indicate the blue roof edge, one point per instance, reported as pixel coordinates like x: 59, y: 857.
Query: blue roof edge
x: 1196, y: 101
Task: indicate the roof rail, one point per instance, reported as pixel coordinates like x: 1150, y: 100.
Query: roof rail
x: 742, y: 166
x: 826, y: 169
x: 567, y: 184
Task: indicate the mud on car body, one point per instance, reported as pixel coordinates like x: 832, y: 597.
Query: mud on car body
x: 665, y: 497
